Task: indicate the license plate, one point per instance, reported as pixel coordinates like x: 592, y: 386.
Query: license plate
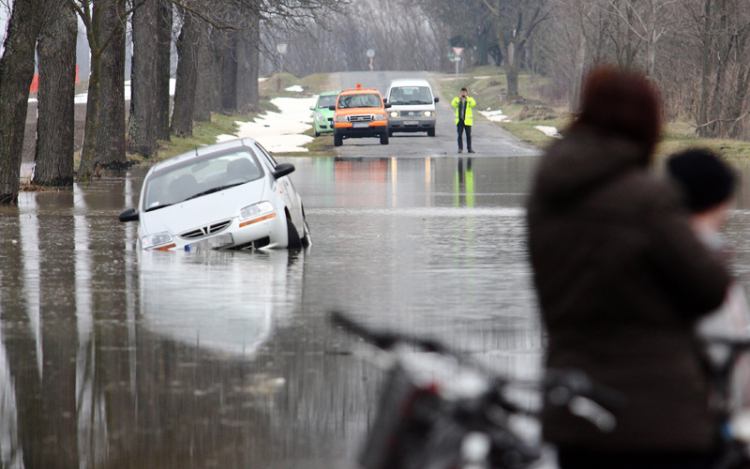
x: 216, y: 242
x: 411, y: 122
x: 360, y: 125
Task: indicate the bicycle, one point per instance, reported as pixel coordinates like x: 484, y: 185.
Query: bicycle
x: 462, y: 423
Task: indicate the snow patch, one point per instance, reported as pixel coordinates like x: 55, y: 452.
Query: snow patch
x: 548, y: 131
x: 279, y: 131
x: 295, y: 88
x: 495, y: 116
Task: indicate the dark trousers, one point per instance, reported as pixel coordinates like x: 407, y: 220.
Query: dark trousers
x: 461, y: 127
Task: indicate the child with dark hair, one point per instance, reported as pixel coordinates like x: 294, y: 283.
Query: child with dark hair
x: 707, y: 185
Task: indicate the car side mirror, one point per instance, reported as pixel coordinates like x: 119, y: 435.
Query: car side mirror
x: 312, y: 108
x: 387, y: 105
x: 129, y: 214
x: 331, y: 108
x: 282, y: 170
x: 437, y: 100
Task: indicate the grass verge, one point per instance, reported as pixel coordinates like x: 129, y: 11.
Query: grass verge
x: 488, y: 86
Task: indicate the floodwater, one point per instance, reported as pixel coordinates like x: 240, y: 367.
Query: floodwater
x: 114, y: 358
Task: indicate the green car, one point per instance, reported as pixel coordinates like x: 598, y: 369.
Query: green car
x: 321, y: 124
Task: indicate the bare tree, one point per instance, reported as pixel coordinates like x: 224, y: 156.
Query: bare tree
x: 56, y: 52
x: 16, y: 74
x: 142, y: 125
x: 104, y: 22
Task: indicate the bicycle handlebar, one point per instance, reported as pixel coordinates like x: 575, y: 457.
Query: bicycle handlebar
x: 573, y: 383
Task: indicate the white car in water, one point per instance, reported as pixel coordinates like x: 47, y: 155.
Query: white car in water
x: 231, y: 195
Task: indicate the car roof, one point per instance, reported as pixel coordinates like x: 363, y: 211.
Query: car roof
x: 329, y: 93
x: 360, y: 91
x: 202, y: 151
x: 410, y: 82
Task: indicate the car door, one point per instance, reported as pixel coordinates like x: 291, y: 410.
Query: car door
x: 288, y: 191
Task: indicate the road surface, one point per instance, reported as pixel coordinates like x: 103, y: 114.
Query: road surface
x: 488, y: 139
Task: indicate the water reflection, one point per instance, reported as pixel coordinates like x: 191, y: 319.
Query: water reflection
x: 114, y: 358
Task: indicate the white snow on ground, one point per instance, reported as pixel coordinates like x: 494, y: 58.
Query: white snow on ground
x: 279, y: 131
x: 296, y: 88
x: 548, y: 131
x: 495, y: 116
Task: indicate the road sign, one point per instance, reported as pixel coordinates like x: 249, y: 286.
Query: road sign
x: 281, y: 48
x: 451, y: 56
x: 458, y: 51
x: 370, y: 53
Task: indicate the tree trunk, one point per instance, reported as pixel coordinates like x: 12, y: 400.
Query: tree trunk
x: 110, y: 148
x: 229, y: 73
x: 163, y: 67
x: 705, y: 70
x: 247, y: 68
x: 16, y: 74
x: 725, y: 44
x: 580, y: 63
x: 204, y: 80
x: 103, y: 144
x: 144, y: 82
x: 187, y: 74
x: 56, y: 52
x: 512, y: 63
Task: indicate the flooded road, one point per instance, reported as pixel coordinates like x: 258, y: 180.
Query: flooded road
x: 114, y: 358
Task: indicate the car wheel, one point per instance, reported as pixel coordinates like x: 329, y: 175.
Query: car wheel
x: 390, y: 133
x: 431, y: 133
x: 338, y: 140
x: 384, y: 139
x: 317, y: 134
x: 293, y: 240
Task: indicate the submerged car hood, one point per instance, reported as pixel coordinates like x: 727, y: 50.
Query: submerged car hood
x: 204, y: 210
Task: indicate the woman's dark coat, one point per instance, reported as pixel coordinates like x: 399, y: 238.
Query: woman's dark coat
x: 621, y: 280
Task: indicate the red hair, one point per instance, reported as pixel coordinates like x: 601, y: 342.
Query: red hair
x: 622, y: 102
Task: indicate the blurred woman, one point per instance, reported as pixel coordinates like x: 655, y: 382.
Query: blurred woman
x: 621, y: 280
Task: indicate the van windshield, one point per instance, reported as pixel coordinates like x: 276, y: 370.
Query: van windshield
x: 359, y: 100
x: 410, y: 95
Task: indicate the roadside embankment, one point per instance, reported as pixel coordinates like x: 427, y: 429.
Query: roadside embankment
x: 538, y: 120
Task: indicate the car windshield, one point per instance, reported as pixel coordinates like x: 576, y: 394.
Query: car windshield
x: 359, y: 100
x: 200, y: 176
x: 329, y: 100
x: 410, y: 95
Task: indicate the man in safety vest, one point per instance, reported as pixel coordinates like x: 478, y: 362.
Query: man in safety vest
x: 464, y: 118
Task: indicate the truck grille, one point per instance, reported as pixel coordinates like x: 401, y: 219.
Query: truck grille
x: 366, y: 118
x: 206, y: 230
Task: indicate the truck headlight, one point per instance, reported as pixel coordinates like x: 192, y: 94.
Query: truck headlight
x: 380, y: 117
x: 255, y: 213
x: 156, y: 239
x: 341, y: 119
x: 428, y: 113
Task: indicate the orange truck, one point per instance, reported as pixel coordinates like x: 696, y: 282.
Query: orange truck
x: 360, y: 113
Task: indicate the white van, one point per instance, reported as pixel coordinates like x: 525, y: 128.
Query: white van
x: 412, y: 106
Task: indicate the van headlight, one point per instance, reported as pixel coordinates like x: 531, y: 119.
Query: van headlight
x: 156, y: 239
x: 255, y: 213
x: 341, y: 118
x: 394, y: 113
x: 428, y: 113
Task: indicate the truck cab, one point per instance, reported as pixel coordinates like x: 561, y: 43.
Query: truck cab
x: 360, y: 113
x: 412, y: 106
